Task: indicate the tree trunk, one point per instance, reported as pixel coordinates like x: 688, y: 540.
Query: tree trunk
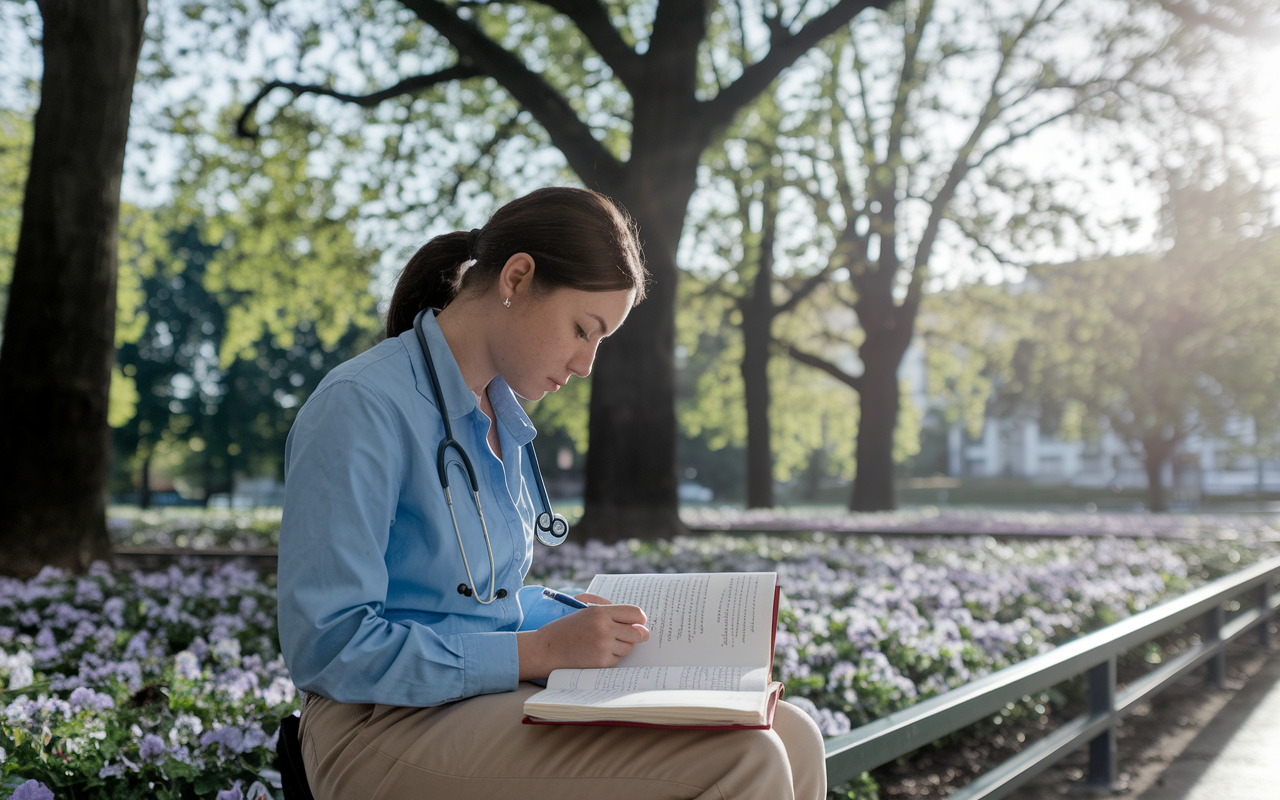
x: 757, y: 335
x: 59, y: 335
x: 144, y: 491
x: 878, y: 403
x: 631, y: 464
x: 755, y: 382
x: 1155, y: 452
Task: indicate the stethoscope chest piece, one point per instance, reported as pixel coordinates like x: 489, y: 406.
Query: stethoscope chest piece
x: 551, y: 528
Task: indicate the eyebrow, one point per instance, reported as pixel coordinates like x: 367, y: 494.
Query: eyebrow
x: 598, y: 319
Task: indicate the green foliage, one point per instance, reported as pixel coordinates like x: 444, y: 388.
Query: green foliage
x: 971, y: 337
x: 1161, y: 346
x: 15, y: 149
x: 565, y: 411
x: 174, y: 691
x: 286, y: 252
x: 195, y: 417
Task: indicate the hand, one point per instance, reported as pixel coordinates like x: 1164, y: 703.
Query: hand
x: 599, y: 636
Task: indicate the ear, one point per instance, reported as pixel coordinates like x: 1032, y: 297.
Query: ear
x: 516, y: 279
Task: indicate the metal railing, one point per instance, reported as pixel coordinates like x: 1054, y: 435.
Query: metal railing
x: 1093, y: 655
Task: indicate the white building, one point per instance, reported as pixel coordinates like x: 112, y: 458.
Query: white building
x: 1015, y: 447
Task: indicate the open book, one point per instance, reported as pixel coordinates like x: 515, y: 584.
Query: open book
x: 707, y: 662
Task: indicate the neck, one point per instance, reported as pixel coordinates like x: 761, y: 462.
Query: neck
x: 465, y: 334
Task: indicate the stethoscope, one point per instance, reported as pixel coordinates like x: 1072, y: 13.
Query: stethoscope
x: 550, y: 528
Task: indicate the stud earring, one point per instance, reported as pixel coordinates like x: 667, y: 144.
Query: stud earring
x: 506, y: 301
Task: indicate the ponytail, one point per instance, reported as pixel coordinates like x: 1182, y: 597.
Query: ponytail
x: 577, y: 238
x: 431, y: 279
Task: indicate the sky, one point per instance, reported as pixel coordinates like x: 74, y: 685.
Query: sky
x: 269, y: 52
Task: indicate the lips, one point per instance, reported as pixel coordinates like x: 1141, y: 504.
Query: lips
x: 557, y: 384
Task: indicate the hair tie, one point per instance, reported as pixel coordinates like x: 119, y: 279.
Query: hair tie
x: 472, y: 238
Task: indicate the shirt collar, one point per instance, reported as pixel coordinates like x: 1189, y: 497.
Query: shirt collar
x: 457, y: 396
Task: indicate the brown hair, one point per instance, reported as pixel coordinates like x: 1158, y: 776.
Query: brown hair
x: 577, y: 238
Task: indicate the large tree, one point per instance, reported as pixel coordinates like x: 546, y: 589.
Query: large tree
x: 925, y: 118
x: 1157, y: 347
x: 656, y: 92
x: 59, y: 331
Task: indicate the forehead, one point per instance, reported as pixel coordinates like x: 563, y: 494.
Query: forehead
x: 610, y: 307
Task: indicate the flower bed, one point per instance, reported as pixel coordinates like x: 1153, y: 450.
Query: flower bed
x: 170, y: 684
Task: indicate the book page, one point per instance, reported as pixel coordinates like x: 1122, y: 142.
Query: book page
x: 656, y: 707
x: 698, y: 619
x: 636, y: 679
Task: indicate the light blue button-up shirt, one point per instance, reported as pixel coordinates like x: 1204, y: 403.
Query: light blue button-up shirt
x: 369, y: 562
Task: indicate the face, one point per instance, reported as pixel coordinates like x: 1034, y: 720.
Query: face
x: 552, y: 336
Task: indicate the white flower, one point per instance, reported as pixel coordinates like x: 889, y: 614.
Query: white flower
x: 227, y: 651
x: 20, y: 673
x: 187, y: 665
x: 279, y: 692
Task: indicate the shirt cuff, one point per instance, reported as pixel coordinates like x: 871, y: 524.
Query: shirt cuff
x: 539, y: 610
x: 493, y: 662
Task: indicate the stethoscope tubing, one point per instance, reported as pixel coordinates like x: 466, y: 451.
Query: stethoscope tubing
x: 554, y: 525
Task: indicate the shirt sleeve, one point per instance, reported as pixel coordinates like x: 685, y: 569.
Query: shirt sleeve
x: 345, y: 461
x: 539, y: 610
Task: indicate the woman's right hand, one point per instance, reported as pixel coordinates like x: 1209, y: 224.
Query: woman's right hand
x: 597, y: 636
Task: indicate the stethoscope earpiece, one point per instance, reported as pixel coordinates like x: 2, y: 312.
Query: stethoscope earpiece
x: 550, y: 528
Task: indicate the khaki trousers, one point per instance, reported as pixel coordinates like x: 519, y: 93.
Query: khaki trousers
x: 477, y: 748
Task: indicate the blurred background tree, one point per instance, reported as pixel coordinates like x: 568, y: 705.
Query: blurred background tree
x: 1160, y: 346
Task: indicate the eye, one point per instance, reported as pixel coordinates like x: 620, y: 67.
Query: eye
x: 581, y: 333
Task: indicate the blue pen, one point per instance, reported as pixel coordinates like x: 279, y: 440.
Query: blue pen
x: 559, y: 597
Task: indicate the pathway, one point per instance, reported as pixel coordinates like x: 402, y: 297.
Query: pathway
x: 1237, y: 755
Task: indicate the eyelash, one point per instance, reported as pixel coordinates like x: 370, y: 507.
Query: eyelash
x: 581, y: 333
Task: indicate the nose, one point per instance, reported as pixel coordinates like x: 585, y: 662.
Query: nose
x: 583, y: 358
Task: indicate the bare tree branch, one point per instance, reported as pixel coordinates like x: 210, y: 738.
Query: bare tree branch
x: 817, y: 362
x: 808, y: 287
x: 784, y: 48
x: 961, y: 167
x: 500, y: 135
x: 414, y: 85
x: 592, y: 19
x: 593, y: 163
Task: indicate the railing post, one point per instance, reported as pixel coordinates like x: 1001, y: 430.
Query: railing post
x: 1102, y: 748
x: 1264, y: 603
x: 1216, y: 675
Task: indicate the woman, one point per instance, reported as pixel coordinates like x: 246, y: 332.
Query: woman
x: 402, y: 615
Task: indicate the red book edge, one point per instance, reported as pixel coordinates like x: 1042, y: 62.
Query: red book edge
x: 775, y: 693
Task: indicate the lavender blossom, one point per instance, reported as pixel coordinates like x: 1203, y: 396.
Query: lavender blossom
x: 32, y: 790
x: 152, y: 749
x: 233, y: 793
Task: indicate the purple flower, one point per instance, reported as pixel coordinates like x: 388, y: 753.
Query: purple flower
x: 228, y: 736
x: 233, y: 793
x: 111, y: 771
x: 83, y: 697
x: 152, y: 749
x: 32, y: 790
x: 113, y: 610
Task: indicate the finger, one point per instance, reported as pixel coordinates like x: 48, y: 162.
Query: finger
x: 628, y: 615
x: 622, y: 649
x: 632, y: 634
x: 594, y: 599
